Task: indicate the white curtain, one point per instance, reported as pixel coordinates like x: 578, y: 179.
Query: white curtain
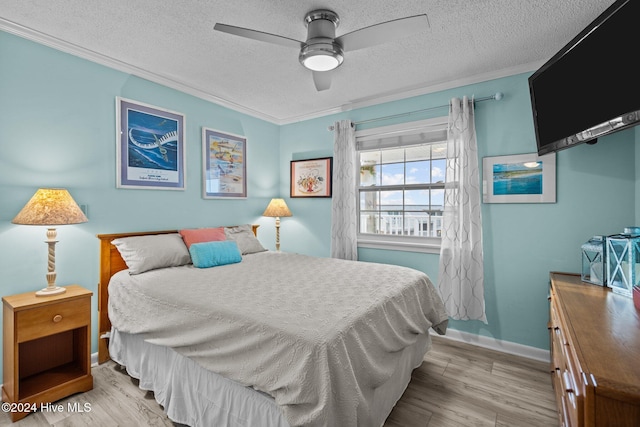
x: 343, y: 220
x: 461, y: 272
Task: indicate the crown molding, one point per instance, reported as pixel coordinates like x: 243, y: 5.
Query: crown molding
x: 81, y: 52
x: 417, y: 91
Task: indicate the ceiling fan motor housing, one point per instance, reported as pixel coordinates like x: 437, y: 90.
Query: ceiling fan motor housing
x: 321, y: 52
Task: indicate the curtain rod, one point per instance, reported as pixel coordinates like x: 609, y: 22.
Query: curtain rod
x: 497, y: 96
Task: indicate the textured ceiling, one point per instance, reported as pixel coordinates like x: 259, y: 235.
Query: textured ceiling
x: 173, y: 42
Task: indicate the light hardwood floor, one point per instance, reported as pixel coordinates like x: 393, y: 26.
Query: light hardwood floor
x: 458, y: 385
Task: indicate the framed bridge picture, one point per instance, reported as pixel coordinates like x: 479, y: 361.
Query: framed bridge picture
x: 150, y: 147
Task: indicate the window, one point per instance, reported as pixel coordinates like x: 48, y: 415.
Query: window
x: 401, y: 185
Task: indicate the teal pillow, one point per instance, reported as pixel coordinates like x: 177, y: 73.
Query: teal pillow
x: 211, y: 254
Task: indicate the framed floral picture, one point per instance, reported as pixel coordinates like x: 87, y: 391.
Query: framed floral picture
x: 311, y: 178
x: 522, y: 178
x: 150, y: 147
x: 224, y: 165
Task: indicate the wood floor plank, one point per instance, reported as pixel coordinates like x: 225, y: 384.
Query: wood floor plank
x: 458, y: 385
x: 507, y: 389
x: 405, y: 413
x: 497, y: 392
x: 538, y: 379
x: 505, y: 420
x: 445, y: 399
x: 121, y: 394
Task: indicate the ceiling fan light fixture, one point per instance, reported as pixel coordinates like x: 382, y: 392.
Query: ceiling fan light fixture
x: 323, y: 51
x: 321, y: 56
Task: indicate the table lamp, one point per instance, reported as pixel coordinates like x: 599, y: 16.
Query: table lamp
x: 50, y: 206
x: 277, y: 208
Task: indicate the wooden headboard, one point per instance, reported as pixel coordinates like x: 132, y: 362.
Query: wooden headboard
x: 110, y: 263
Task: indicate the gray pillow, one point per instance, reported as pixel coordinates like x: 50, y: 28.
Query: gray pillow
x: 244, y: 238
x: 144, y: 253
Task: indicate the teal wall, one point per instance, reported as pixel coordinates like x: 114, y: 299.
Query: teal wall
x: 596, y: 187
x: 57, y: 129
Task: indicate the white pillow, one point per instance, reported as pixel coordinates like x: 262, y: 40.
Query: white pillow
x: 144, y: 253
x: 244, y: 238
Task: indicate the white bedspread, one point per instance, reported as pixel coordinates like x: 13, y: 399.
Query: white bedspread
x: 317, y: 334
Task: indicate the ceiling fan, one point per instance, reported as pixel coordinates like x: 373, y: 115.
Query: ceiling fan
x: 323, y: 51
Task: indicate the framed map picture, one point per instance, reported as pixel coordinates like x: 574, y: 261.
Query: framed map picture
x: 224, y: 165
x: 311, y: 178
x: 150, y: 147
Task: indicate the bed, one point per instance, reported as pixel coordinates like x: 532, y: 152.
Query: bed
x: 267, y: 339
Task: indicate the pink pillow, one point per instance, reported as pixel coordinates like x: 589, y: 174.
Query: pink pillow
x: 201, y: 235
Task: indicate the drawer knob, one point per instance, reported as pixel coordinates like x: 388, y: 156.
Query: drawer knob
x: 57, y: 318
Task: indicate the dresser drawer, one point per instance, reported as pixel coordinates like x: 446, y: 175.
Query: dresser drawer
x: 568, y: 383
x: 52, y: 319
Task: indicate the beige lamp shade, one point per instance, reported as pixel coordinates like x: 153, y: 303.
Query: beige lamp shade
x: 277, y: 208
x: 50, y: 206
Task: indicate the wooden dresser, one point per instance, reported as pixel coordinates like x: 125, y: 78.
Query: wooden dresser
x: 595, y: 354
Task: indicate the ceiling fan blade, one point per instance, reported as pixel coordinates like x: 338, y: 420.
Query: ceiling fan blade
x: 258, y: 35
x: 383, y: 32
x: 322, y: 80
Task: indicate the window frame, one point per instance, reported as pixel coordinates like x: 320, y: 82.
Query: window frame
x: 418, y: 132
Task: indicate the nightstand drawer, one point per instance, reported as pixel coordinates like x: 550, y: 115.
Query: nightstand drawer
x: 51, y: 319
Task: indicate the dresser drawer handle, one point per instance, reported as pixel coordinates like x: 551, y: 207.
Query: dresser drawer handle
x: 57, y: 318
x: 568, y: 382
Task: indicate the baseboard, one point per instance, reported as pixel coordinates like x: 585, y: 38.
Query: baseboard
x: 499, y: 345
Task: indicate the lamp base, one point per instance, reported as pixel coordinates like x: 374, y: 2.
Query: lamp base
x: 51, y: 290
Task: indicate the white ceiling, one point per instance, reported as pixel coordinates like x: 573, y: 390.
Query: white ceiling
x: 173, y: 42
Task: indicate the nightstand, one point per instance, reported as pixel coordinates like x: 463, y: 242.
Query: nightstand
x: 46, y: 348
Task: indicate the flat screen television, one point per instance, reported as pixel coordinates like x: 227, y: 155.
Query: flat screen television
x: 591, y: 87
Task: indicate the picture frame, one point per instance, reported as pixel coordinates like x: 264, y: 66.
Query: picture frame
x: 224, y: 165
x: 522, y: 178
x: 150, y: 147
x: 311, y: 177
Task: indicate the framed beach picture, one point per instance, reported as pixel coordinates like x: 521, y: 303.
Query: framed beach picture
x: 224, y: 165
x: 523, y: 178
x: 311, y: 178
x: 150, y: 147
